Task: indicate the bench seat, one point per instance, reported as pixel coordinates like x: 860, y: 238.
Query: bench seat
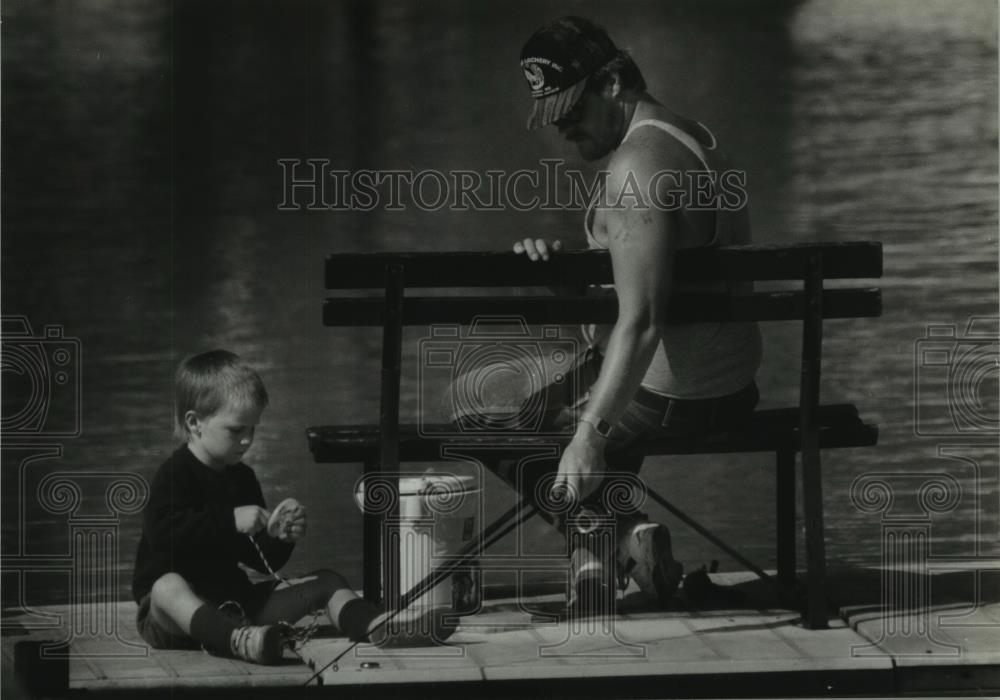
x: 768, y: 431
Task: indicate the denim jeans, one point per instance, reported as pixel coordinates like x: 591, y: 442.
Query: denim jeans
x: 651, y: 416
x: 648, y: 416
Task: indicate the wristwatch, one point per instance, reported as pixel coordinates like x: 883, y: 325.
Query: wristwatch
x: 600, y: 426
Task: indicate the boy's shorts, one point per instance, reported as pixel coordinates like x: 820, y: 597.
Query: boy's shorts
x: 160, y: 637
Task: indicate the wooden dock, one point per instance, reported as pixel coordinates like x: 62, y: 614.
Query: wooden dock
x: 509, y: 650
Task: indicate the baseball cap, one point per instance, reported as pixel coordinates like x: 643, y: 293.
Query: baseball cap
x: 558, y: 60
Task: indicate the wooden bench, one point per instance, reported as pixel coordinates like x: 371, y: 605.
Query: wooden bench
x: 805, y: 429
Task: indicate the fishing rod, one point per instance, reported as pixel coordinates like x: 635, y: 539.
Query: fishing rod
x: 704, y: 532
x: 498, y: 529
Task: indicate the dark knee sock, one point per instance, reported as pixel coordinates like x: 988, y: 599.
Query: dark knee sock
x: 355, y: 616
x: 212, y: 628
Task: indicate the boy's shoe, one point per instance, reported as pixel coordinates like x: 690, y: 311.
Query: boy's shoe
x: 258, y: 644
x: 412, y: 627
x: 644, y: 554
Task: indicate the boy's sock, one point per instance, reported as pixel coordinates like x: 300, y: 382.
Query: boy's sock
x: 212, y: 628
x: 355, y: 617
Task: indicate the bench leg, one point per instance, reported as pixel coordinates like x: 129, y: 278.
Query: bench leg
x: 812, y: 499
x: 371, y: 547
x: 812, y: 487
x: 388, y: 448
x: 785, y: 516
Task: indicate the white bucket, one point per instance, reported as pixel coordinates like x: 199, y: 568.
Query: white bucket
x: 438, y: 517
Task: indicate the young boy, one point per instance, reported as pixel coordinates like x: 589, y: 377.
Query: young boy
x: 206, y: 515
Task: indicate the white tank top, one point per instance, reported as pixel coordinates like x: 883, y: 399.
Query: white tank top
x: 696, y: 360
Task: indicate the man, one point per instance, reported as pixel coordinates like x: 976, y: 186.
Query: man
x: 656, y: 379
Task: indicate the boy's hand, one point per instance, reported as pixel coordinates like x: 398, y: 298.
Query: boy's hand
x: 296, y: 527
x: 250, y: 519
x: 288, y: 521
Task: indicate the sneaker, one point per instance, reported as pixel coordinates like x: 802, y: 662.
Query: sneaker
x: 593, y: 590
x: 412, y: 627
x: 644, y: 554
x: 258, y: 644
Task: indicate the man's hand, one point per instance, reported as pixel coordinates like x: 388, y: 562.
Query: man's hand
x: 250, y: 519
x: 537, y: 248
x: 582, y: 466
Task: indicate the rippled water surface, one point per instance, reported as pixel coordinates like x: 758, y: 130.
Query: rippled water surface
x: 141, y: 185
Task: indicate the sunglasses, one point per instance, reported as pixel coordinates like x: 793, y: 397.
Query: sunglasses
x: 574, y: 115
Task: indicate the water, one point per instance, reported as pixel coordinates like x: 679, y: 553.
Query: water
x: 141, y: 188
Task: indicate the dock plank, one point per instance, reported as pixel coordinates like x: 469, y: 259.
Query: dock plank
x: 766, y: 644
x: 445, y: 663
x: 81, y: 670
x: 647, y: 646
x: 124, y: 661
x: 506, y: 643
x: 945, y: 635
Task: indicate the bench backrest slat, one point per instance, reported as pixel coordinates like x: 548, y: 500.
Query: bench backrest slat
x: 848, y: 260
x: 684, y: 308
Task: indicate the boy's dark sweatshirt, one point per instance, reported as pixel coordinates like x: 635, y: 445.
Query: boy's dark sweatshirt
x: 189, y: 528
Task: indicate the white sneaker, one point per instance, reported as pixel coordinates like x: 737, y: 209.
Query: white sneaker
x: 258, y: 644
x: 645, y: 555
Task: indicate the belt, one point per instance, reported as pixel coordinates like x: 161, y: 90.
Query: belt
x: 654, y: 402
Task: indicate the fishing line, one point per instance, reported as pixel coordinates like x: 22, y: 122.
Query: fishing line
x: 298, y: 635
x: 498, y: 529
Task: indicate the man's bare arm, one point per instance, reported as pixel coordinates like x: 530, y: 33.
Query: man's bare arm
x: 642, y: 241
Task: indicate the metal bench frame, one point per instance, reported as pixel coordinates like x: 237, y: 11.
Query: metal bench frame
x: 805, y: 429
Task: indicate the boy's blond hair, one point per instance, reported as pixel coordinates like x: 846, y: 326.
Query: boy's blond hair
x: 208, y: 382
